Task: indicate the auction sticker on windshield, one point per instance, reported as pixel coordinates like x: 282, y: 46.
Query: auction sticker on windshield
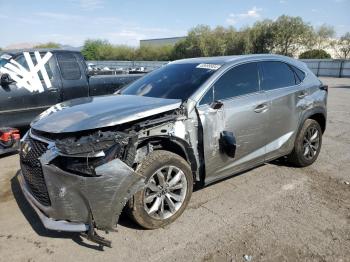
x: 209, y: 66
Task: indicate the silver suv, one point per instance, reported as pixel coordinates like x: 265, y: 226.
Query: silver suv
x: 193, y: 121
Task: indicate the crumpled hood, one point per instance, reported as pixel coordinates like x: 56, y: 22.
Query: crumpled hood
x: 97, y: 112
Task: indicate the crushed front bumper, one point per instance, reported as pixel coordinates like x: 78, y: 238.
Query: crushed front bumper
x: 78, y: 203
x: 49, y: 223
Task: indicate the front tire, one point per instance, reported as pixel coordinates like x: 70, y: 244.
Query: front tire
x: 169, y: 185
x: 307, y: 144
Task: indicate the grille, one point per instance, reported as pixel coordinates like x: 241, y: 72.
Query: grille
x: 32, y: 172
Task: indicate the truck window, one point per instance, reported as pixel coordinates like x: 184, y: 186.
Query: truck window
x: 69, y: 66
x: 22, y: 61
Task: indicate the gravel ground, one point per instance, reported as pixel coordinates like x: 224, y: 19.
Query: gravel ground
x: 271, y: 213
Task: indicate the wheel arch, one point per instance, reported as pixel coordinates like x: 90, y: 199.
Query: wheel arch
x: 318, y: 114
x: 175, y: 145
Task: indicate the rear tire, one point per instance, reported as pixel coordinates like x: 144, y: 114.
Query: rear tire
x: 307, y: 144
x: 169, y: 185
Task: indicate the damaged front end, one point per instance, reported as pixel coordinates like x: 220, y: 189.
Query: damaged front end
x: 79, y: 164
x: 79, y: 183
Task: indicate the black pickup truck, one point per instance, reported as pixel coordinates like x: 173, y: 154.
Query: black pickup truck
x: 34, y: 80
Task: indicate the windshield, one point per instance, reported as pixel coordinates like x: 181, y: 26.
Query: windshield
x: 3, y: 62
x: 4, y: 58
x: 173, y: 81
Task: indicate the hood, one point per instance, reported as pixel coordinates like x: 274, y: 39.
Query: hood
x: 103, y: 111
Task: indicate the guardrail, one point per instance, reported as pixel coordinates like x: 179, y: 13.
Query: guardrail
x: 320, y: 67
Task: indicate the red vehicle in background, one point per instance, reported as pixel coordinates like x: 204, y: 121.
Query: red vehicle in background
x: 9, y: 140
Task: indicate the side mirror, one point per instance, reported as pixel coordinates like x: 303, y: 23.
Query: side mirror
x: 5, y: 80
x: 216, y: 105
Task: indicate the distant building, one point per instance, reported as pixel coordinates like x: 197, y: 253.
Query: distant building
x: 161, y: 41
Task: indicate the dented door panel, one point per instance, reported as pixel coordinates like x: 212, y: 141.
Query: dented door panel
x: 249, y: 128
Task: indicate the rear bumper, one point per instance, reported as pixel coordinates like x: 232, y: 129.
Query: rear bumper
x: 78, y: 202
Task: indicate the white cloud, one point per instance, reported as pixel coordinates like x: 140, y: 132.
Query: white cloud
x: 91, y: 4
x: 283, y: 1
x: 253, y: 13
x: 59, y: 16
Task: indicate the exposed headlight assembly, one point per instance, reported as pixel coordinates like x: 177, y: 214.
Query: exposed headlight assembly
x: 82, y: 155
x: 91, y: 144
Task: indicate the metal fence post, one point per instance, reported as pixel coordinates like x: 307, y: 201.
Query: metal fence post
x: 341, y: 68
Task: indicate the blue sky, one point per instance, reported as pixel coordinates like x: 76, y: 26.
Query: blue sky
x: 128, y: 21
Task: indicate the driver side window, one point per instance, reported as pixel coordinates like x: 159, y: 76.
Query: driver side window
x: 238, y: 81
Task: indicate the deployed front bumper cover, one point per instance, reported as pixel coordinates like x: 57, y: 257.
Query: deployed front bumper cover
x: 49, y: 223
x: 79, y: 202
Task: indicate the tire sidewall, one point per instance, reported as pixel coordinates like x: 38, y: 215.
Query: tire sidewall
x: 299, y: 145
x: 165, y: 158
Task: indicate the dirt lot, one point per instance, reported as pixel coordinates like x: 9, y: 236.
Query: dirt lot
x: 271, y: 213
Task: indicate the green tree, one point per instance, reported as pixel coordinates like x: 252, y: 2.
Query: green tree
x: 48, y: 45
x: 196, y: 41
x: 290, y: 34
x: 122, y: 52
x: 342, y: 46
x: 261, y: 37
x: 315, y: 54
x: 150, y: 53
x: 91, y: 47
x: 322, y: 36
x: 180, y: 50
x: 237, y: 42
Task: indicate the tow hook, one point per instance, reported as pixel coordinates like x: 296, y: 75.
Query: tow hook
x: 92, y: 235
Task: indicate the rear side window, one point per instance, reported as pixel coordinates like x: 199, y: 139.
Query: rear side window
x: 299, y: 74
x: 276, y: 75
x: 69, y: 66
x: 240, y: 80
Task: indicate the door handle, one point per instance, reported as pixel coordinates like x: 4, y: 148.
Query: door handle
x: 302, y: 94
x: 261, y: 108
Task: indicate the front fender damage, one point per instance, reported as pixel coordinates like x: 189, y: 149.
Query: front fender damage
x: 96, y: 201
x: 124, y: 185
x: 122, y: 182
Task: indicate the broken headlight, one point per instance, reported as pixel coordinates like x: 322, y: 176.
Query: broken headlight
x: 82, y: 155
x: 91, y: 144
x: 85, y: 166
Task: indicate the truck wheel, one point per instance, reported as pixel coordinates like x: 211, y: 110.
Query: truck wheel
x: 169, y: 185
x: 307, y: 144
